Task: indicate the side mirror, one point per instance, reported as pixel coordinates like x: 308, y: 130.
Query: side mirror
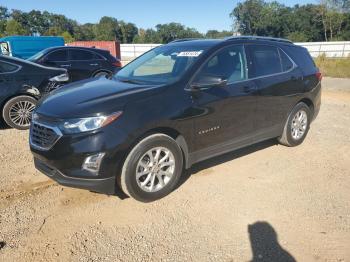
x: 206, y: 82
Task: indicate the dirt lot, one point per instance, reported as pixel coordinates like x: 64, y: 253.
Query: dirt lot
x: 264, y: 203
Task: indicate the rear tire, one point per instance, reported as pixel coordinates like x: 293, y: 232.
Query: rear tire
x: 152, y: 169
x: 297, y: 126
x: 17, y: 112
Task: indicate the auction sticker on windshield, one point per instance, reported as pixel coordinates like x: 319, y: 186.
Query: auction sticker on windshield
x: 190, y: 53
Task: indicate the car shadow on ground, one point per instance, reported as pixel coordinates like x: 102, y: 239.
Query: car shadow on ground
x: 225, y: 158
x: 265, y: 246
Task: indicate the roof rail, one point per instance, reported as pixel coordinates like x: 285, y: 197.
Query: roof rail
x: 183, y: 40
x: 253, y: 37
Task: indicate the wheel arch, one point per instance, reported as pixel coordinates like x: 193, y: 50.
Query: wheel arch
x: 174, y: 134
x: 309, y: 103
x: 171, y: 132
x: 101, y: 70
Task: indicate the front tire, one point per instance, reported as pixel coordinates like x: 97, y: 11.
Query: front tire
x: 17, y: 112
x: 152, y: 169
x: 297, y: 126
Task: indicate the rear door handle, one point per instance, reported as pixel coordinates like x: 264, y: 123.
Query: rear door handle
x: 65, y: 65
x: 94, y: 64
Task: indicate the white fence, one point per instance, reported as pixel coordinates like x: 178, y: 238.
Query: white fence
x: 130, y: 51
x: 330, y: 49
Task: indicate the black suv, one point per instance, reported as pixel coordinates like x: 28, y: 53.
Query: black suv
x: 174, y: 106
x: 81, y: 62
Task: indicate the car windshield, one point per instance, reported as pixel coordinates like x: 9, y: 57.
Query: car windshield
x: 162, y: 65
x: 36, y: 56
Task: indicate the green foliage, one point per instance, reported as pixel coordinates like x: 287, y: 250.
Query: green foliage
x: 329, y: 20
x: 14, y: 28
x: 68, y: 38
x: 169, y: 32
x: 298, y: 37
x: 217, y: 34
x: 107, y: 29
x: 126, y: 32
x: 3, y: 20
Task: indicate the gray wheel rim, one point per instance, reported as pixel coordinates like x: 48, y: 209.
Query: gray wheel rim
x: 155, y: 169
x: 20, y: 113
x: 106, y: 75
x: 299, y: 125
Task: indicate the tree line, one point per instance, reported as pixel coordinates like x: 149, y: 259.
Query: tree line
x: 327, y: 21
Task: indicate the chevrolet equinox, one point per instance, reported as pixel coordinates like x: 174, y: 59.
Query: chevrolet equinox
x: 174, y: 106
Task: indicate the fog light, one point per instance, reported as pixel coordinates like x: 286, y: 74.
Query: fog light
x: 93, y: 163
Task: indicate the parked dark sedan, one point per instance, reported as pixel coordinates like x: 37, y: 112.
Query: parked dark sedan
x: 81, y: 62
x: 22, y: 83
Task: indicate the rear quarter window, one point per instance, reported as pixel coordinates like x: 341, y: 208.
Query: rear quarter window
x: 302, y: 58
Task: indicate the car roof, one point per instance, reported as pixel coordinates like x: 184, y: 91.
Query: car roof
x: 77, y: 47
x: 23, y: 62
x: 213, y: 42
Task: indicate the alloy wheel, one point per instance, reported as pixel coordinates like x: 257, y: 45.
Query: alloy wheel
x: 20, y: 113
x: 155, y: 169
x: 299, y: 125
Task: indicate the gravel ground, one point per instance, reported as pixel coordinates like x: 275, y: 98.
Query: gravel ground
x: 263, y: 203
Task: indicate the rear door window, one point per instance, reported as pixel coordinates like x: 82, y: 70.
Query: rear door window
x: 81, y: 55
x: 57, y: 56
x: 7, y: 68
x: 265, y: 60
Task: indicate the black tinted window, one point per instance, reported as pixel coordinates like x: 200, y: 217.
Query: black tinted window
x: 98, y: 57
x: 7, y: 68
x: 59, y: 55
x: 229, y: 63
x: 81, y: 55
x: 265, y: 59
x: 302, y: 58
x: 285, y: 61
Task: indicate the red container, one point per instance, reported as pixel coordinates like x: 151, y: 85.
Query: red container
x: 112, y: 46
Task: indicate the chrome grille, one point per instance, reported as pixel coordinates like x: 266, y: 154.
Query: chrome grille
x: 43, y: 136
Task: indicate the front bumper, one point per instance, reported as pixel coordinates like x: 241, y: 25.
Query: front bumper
x: 62, y: 160
x: 103, y: 185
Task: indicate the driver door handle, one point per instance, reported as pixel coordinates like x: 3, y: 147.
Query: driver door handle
x: 68, y: 65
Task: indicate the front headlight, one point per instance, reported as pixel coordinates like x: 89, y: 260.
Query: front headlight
x: 79, y: 125
x: 60, y: 78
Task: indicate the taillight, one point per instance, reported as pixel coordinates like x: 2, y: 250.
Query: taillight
x: 319, y: 76
x: 117, y: 64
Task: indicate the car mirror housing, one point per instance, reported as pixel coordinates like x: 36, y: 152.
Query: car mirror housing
x: 206, y: 82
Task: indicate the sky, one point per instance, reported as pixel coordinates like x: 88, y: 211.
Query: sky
x: 200, y: 14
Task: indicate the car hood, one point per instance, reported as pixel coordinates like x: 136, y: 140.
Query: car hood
x: 92, y: 97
